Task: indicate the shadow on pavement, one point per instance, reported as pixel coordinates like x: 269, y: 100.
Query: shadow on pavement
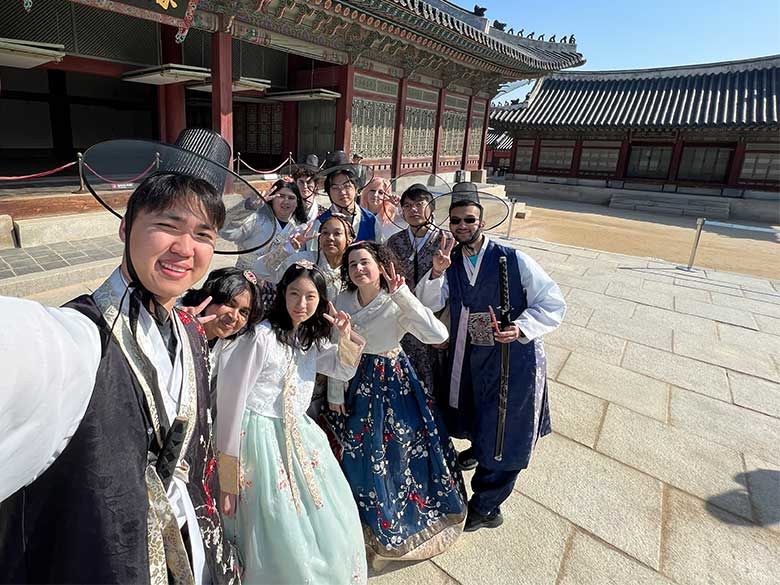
x: 763, y: 485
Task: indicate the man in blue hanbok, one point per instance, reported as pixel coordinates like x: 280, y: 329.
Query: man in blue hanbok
x: 468, y: 277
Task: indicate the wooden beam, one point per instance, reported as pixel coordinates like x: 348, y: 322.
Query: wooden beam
x: 222, y: 85
x: 400, y: 113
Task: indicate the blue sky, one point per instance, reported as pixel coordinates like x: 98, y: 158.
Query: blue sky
x: 622, y: 34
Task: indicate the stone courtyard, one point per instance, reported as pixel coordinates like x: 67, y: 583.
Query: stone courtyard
x: 664, y: 464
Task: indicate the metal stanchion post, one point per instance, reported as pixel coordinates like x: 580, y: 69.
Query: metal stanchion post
x: 511, y: 219
x: 157, y: 161
x: 238, y: 163
x: 699, y: 225
x: 81, y: 188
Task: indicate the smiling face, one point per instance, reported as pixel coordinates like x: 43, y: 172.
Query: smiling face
x: 284, y: 203
x: 416, y: 211
x: 333, y: 239
x: 363, y: 269
x: 465, y: 222
x: 374, y: 194
x: 301, y: 299
x: 308, y: 188
x: 231, y: 316
x: 342, y: 190
x: 170, y: 249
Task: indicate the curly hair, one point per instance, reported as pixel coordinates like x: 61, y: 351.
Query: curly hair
x: 300, y: 210
x: 316, y: 329
x: 223, y: 285
x: 381, y: 254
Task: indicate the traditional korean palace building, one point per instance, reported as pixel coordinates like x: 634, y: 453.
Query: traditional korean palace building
x: 407, y: 83
x: 652, y: 137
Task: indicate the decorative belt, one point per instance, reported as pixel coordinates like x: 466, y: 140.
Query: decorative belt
x: 292, y: 441
x: 390, y: 353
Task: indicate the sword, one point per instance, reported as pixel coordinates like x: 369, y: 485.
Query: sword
x: 503, y: 391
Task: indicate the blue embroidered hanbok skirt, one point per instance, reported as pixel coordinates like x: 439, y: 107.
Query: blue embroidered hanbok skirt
x: 399, y: 461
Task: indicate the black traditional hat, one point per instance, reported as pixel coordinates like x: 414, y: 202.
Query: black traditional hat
x: 418, y: 180
x: 197, y: 152
x: 337, y: 162
x: 310, y: 166
x: 494, y: 210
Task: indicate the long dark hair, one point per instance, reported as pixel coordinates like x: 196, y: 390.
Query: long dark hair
x: 223, y: 285
x: 382, y: 255
x: 300, y: 210
x: 315, y: 330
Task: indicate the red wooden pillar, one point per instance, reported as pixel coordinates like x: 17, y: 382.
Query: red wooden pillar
x: 483, y: 144
x: 400, y: 113
x: 171, y: 98
x: 438, y: 134
x: 622, y: 163
x: 344, y: 108
x: 735, y: 169
x: 575, y: 158
x: 512, y: 156
x: 465, y: 156
x: 535, y: 155
x: 674, y: 164
x: 222, y: 85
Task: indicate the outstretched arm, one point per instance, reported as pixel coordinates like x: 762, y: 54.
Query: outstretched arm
x: 546, y: 306
x: 49, y: 360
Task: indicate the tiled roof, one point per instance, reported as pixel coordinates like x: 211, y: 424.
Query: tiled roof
x: 731, y: 94
x: 532, y: 55
x: 498, y: 140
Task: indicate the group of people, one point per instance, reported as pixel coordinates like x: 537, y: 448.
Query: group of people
x: 291, y: 419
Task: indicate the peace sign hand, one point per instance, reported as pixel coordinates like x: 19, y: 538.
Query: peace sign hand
x: 195, y: 311
x: 339, y: 319
x: 394, y: 280
x: 441, y: 259
x: 299, y: 239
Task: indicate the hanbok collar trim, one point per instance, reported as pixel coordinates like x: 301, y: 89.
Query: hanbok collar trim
x: 165, y: 545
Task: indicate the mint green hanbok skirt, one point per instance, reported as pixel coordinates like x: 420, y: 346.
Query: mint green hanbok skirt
x: 279, y: 544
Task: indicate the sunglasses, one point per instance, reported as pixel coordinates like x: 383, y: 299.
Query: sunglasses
x: 467, y: 220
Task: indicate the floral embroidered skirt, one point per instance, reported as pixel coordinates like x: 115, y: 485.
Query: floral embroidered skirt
x: 399, y: 461
x: 278, y: 544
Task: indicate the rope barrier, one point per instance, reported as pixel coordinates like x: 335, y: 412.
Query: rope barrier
x: 272, y: 171
x: 113, y: 181
x: 41, y: 174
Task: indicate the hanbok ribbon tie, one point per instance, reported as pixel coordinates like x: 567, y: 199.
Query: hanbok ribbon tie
x: 294, y: 443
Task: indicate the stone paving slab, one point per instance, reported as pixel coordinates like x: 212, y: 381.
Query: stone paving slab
x: 700, y: 548
x: 606, y: 347
x: 618, y: 307
x: 592, y: 562
x: 677, y: 291
x: 684, y: 460
x: 678, y: 321
x: 577, y: 415
x: 643, y: 296
x: 21, y: 261
x: 537, y: 544
x: 749, y: 305
x: 637, y: 329
x: 726, y: 424
x: 685, y: 372
x: 749, y: 338
x: 763, y: 480
x: 419, y: 573
x: 768, y: 324
x: 749, y: 360
x: 616, y: 503
x: 556, y: 357
x: 719, y: 313
x: 756, y: 394
x: 618, y: 385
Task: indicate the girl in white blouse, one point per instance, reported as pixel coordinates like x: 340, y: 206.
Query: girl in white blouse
x: 396, y: 455
x: 285, y: 499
